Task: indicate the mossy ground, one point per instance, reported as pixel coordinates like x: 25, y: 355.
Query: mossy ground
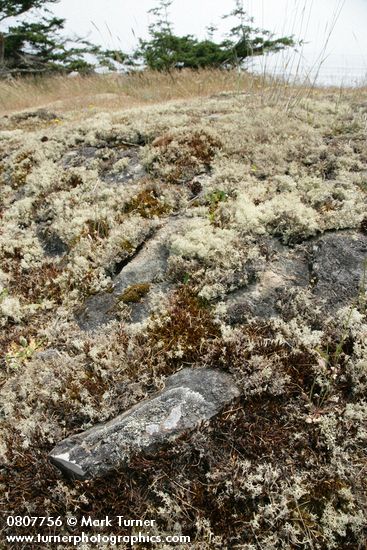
x: 284, y: 465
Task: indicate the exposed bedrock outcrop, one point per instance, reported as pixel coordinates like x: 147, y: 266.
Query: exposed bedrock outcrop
x: 337, y: 266
x: 331, y: 268
x: 146, y: 270
x: 116, y: 165
x: 190, y: 397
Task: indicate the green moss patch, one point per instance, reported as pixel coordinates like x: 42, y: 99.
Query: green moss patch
x: 134, y: 293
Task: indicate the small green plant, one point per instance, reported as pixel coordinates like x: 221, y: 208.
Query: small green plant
x: 20, y: 353
x: 214, y: 199
x: 3, y: 294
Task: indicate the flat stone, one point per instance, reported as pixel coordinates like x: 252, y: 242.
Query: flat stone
x: 337, y: 264
x: 190, y: 397
x: 51, y: 243
x: 132, y: 172
x: 47, y: 355
x: 148, y: 266
x: 330, y: 268
x: 107, y: 157
x: 80, y: 156
x: 285, y: 269
x: 140, y: 311
x: 98, y: 310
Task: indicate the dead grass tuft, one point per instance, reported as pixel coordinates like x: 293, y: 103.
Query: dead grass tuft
x: 184, y: 335
x: 35, y: 284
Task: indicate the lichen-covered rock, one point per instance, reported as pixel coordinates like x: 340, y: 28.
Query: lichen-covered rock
x: 51, y: 242
x: 115, y: 165
x: 147, y: 268
x: 338, y: 262
x: 190, y: 397
x: 272, y: 200
x: 284, y: 269
x: 41, y: 114
x: 329, y: 269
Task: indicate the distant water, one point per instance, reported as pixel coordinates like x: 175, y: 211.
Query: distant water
x: 330, y: 70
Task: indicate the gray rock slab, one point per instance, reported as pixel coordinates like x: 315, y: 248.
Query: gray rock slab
x: 107, y: 157
x: 51, y: 243
x: 284, y: 269
x: 190, y: 397
x: 337, y: 263
x: 98, y: 310
x: 330, y: 267
x: 147, y: 267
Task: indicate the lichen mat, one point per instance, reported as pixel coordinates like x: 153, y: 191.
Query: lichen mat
x: 225, y: 233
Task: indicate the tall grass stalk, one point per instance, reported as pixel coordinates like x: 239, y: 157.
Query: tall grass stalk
x: 120, y: 91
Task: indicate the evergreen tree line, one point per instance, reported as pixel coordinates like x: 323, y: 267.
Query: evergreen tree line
x: 35, y: 44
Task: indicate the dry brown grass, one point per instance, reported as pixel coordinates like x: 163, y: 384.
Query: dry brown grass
x: 119, y: 91
x: 88, y: 94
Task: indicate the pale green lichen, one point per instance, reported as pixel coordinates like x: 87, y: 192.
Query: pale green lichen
x: 285, y: 464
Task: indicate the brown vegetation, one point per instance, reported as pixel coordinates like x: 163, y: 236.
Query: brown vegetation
x: 283, y: 466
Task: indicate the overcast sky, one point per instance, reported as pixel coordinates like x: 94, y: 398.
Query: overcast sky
x: 118, y: 21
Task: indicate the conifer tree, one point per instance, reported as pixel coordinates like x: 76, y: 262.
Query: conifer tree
x: 36, y: 45
x: 164, y: 50
x: 245, y: 40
